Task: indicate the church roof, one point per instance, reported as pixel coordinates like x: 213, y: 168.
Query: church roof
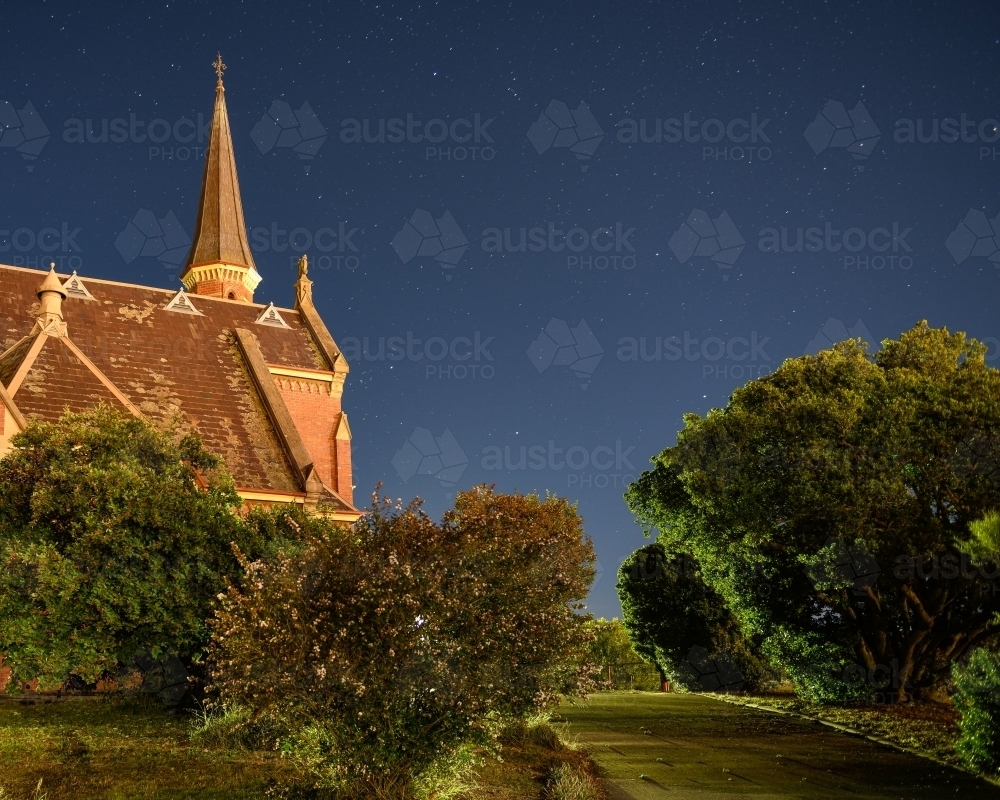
x: 126, y: 348
x: 220, y: 232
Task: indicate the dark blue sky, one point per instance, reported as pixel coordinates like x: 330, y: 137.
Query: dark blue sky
x: 647, y: 273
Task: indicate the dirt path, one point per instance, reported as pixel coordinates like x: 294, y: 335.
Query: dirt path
x: 653, y: 746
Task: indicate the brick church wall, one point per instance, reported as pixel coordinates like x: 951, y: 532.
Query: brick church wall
x: 316, y: 414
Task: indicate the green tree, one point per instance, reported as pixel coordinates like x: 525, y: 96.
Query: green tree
x: 386, y: 648
x: 610, y: 644
x: 813, y: 471
x: 667, y: 609
x: 113, y: 537
x: 977, y: 697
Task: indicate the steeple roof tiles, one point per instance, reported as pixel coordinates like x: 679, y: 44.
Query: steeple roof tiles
x: 220, y: 231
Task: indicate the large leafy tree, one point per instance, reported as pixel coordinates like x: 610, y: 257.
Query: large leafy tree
x: 385, y: 648
x: 667, y: 609
x: 831, y: 468
x: 114, y: 537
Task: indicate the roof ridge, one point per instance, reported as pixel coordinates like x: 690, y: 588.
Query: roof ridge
x: 23, y: 360
x: 171, y: 292
x: 15, y: 412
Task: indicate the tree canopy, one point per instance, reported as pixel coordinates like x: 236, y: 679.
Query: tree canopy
x: 114, y: 537
x: 829, y: 505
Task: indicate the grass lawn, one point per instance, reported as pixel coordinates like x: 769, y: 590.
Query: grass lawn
x: 927, y: 727
x: 97, y: 749
x: 117, y: 751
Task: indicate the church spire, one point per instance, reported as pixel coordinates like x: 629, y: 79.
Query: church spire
x: 220, y: 263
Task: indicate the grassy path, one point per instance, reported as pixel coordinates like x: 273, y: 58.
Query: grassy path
x: 690, y: 746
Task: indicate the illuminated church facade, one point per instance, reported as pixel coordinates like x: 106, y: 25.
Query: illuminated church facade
x: 262, y: 386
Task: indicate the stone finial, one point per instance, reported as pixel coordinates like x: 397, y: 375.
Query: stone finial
x: 50, y: 317
x: 303, y: 286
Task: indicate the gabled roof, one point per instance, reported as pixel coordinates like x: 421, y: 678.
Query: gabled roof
x: 56, y: 380
x: 11, y: 360
x: 125, y: 348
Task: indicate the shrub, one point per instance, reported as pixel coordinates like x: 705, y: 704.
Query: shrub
x: 113, y: 537
x: 570, y: 782
x: 453, y: 776
x: 390, y: 646
x: 977, y: 697
x: 236, y: 728
x: 535, y: 730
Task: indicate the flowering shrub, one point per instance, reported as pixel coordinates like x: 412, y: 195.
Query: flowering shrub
x: 390, y: 646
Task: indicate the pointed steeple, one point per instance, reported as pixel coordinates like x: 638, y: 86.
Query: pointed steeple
x: 220, y: 263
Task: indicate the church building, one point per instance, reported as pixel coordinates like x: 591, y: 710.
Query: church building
x: 260, y: 385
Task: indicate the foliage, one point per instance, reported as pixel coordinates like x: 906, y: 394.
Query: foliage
x: 977, y: 697
x: 535, y: 730
x: 667, y: 608
x: 831, y: 459
x: 569, y: 782
x: 453, y: 776
x: 390, y: 646
x: 237, y: 728
x: 610, y: 643
x: 984, y: 539
x: 615, y: 663
x: 113, y: 537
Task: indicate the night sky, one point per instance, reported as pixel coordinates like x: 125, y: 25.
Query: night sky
x: 652, y: 146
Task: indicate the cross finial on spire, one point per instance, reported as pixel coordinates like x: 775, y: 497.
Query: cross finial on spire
x: 219, y: 67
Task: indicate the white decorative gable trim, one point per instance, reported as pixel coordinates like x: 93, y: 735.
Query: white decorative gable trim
x: 182, y: 304
x: 270, y: 316
x: 74, y: 287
